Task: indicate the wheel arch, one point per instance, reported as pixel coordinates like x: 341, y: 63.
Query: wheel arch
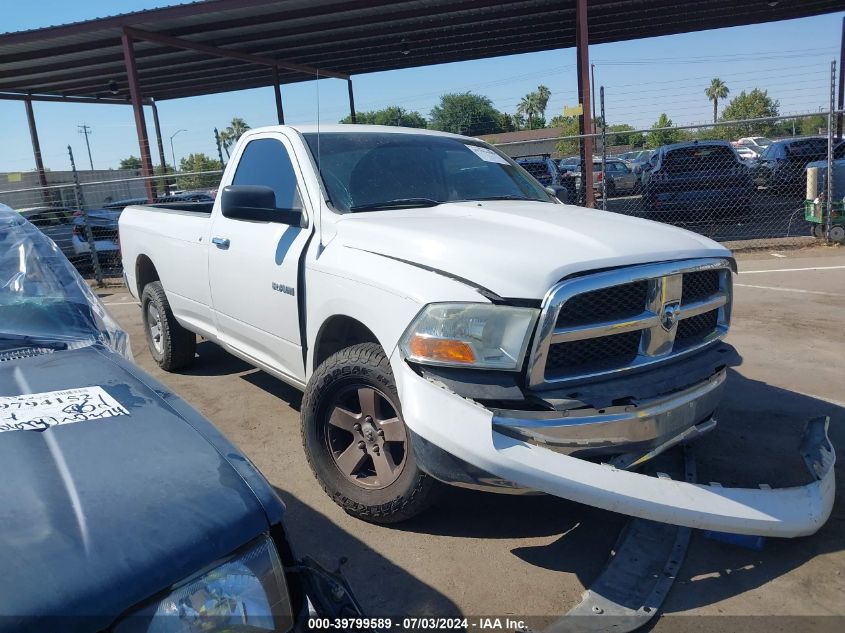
x: 145, y: 273
x: 337, y: 332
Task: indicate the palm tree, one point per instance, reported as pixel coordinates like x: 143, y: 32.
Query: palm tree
x: 231, y: 134
x: 543, y: 94
x: 715, y: 91
x: 528, y: 107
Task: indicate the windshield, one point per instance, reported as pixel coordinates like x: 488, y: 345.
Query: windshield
x: 698, y: 157
x: 365, y: 171
x: 43, y: 300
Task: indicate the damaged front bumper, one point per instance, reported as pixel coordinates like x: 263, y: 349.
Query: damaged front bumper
x: 466, y: 431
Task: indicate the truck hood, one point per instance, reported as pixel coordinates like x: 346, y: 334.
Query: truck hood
x: 518, y: 249
x: 97, y: 516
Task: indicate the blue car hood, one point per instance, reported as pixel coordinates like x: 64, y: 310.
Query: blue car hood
x: 97, y: 516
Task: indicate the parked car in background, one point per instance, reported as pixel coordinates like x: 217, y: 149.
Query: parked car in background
x: 636, y: 159
x: 756, y: 143
x: 547, y: 173
x: 448, y: 319
x: 780, y: 169
x: 185, y: 196
x: 697, y: 181
x: 746, y: 153
x: 57, y: 223
x: 122, y: 508
x: 120, y: 205
x: 104, y: 231
x: 620, y: 177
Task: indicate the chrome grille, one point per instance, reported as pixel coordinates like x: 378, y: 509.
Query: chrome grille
x: 614, y: 321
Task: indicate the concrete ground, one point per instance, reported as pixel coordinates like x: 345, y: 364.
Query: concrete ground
x: 480, y: 554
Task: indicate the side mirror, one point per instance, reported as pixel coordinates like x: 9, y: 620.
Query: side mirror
x: 558, y: 192
x: 256, y: 203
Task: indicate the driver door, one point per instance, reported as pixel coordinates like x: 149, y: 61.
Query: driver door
x: 254, y: 265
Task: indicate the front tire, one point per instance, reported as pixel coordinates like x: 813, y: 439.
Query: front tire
x: 356, y: 440
x: 171, y: 346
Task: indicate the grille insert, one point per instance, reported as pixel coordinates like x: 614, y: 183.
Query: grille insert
x: 594, y: 354
x: 606, y: 304
x: 695, y: 329
x: 700, y: 285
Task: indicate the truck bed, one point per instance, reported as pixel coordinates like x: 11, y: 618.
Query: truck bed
x: 200, y: 208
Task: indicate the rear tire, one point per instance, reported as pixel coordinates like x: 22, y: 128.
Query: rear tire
x: 351, y: 423
x: 171, y: 346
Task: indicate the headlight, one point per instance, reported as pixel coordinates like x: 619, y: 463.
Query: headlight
x: 246, y: 592
x: 469, y: 335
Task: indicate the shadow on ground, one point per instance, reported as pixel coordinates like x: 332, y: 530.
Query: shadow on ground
x: 213, y: 360
x: 382, y: 588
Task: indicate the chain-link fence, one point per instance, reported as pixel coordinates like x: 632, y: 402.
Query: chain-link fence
x: 756, y: 181
x: 79, y: 211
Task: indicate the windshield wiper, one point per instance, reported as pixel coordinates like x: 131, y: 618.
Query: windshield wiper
x: 399, y: 203
x: 511, y: 197
x: 31, y: 341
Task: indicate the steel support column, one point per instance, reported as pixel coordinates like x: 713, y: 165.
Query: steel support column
x: 138, y: 109
x: 351, y: 100
x: 841, y: 100
x: 280, y: 112
x: 158, y: 139
x: 36, y: 146
x: 585, y: 123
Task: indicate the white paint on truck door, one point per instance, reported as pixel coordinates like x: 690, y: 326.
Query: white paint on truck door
x: 253, y: 266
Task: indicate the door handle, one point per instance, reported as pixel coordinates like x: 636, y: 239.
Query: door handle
x: 220, y: 242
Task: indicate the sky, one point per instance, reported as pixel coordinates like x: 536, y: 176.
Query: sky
x: 642, y: 78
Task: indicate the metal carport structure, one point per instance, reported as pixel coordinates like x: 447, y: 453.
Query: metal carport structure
x: 224, y: 45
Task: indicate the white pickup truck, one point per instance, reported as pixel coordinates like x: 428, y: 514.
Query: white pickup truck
x: 450, y: 320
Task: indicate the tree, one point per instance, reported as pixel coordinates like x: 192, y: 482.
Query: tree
x: 568, y: 128
x: 198, y: 162
x: 392, y: 115
x: 811, y: 125
x: 466, y: 113
x: 715, y: 91
x: 659, y: 136
x: 232, y: 133
x: 133, y: 162
x: 623, y: 134
x: 756, y: 104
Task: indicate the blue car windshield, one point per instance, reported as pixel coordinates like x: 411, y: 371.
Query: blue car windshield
x: 43, y: 300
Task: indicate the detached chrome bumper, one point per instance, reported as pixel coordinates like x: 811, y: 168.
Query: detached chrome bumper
x: 464, y: 429
x: 622, y: 429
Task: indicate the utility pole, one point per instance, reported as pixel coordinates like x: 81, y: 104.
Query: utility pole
x: 593, y: 92
x: 86, y: 130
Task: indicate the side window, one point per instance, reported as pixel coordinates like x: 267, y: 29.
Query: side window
x: 265, y: 162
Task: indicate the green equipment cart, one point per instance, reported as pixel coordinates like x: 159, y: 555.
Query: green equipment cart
x: 815, y: 212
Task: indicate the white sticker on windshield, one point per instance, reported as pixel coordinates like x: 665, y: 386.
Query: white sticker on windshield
x: 39, y: 411
x: 486, y: 154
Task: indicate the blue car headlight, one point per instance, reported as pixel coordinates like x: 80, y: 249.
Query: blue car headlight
x: 245, y: 592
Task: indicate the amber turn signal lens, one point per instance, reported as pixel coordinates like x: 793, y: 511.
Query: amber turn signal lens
x: 438, y: 349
